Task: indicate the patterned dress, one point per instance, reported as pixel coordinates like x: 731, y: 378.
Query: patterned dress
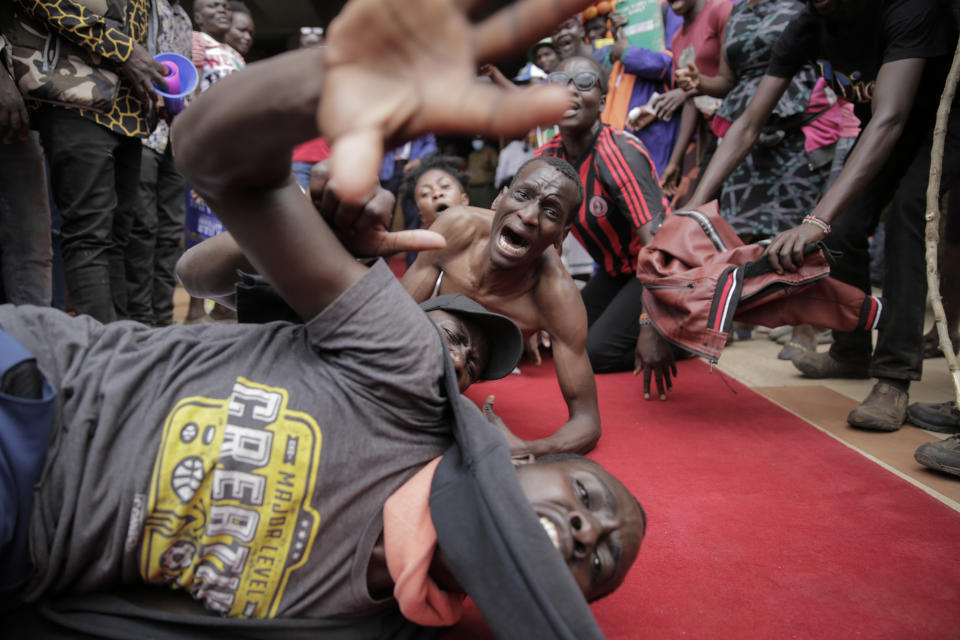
x: 774, y: 187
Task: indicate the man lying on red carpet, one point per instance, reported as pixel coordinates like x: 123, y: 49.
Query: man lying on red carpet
x: 248, y: 466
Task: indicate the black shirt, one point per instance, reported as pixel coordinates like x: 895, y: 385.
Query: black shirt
x: 849, y: 56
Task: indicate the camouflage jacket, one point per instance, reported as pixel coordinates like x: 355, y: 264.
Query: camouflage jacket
x: 68, y: 52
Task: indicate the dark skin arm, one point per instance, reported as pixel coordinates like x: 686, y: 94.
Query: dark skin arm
x: 717, y: 86
x: 14, y: 120
x: 230, y: 147
x: 209, y: 269
x: 741, y: 136
x: 565, y: 319
x: 896, y: 88
x: 671, y: 173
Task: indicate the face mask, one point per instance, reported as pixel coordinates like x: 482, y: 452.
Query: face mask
x: 476, y: 144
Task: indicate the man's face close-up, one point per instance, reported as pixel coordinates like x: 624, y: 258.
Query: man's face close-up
x: 567, y: 37
x: 590, y: 517
x: 213, y: 17
x: 532, y: 215
x: 435, y: 192
x: 467, y: 343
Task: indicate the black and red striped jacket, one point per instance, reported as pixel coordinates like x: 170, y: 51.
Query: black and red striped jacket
x: 621, y: 193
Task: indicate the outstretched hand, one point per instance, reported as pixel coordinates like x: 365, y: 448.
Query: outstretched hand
x: 654, y: 356
x: 364, y: 227
x: 396, y: 69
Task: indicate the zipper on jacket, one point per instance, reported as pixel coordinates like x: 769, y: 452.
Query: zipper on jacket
x: 654, y: 286
x: 707, y: 227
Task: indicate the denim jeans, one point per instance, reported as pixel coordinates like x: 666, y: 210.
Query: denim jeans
x: 156, y: 237
x: 25, y: 223
x: 94, y: 175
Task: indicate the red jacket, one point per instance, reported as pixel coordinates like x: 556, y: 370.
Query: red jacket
x: 698, y: 277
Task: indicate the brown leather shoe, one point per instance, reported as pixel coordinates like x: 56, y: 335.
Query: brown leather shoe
x: 823, y: 365
x: 884, y: 409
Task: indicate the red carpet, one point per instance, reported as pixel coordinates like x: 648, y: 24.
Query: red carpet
x: 760, y: 526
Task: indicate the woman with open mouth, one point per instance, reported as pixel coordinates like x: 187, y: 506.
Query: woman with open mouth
x: 624, y: 202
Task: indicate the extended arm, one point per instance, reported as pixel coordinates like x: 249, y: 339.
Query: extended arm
x: 740, y: 138
x: 209, y: 269
x: 565, y: 319
x: 230, y: 148
x: 896, y: 87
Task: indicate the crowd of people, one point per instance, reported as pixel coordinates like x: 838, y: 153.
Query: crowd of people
x: 296, y: 447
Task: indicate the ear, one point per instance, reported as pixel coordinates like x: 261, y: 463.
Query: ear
x: 496, y: 201
x: 465, y: 198
x: 603, y: 101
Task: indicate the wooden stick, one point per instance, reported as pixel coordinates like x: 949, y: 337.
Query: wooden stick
x: 932, y: 233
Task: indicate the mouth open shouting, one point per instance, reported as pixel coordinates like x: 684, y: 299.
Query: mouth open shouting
x: 512, y: 244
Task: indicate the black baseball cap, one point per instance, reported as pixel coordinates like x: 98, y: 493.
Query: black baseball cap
x: 506, y: 342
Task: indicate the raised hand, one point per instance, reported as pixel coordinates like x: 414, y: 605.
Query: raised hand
x: 396, y: 69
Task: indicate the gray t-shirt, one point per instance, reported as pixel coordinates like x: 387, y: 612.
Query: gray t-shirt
x: 247, y: 464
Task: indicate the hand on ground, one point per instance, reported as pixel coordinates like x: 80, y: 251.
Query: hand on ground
x: 654, y: 356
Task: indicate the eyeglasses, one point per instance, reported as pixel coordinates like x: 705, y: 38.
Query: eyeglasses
x: 305, y: 31
x: 582, y: 80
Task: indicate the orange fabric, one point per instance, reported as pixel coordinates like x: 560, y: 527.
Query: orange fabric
x: 410, y: 541
x: 620, y: 89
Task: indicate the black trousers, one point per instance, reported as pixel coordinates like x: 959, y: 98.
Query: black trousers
x: 94, y: 178
x: 613, y: 308
x: 902, y: 182
x: 156, y: 238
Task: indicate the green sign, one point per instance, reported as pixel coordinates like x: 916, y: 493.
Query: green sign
x: 644, y: 26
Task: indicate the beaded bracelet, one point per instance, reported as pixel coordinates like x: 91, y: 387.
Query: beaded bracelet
x: 820, y: 223
x: 645, y: 319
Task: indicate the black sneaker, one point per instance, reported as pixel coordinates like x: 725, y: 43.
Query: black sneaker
x: 941, y: 417
x: 942, y: 456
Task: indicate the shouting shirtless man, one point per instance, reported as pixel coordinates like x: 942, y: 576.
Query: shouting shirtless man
x: 509, y: 264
